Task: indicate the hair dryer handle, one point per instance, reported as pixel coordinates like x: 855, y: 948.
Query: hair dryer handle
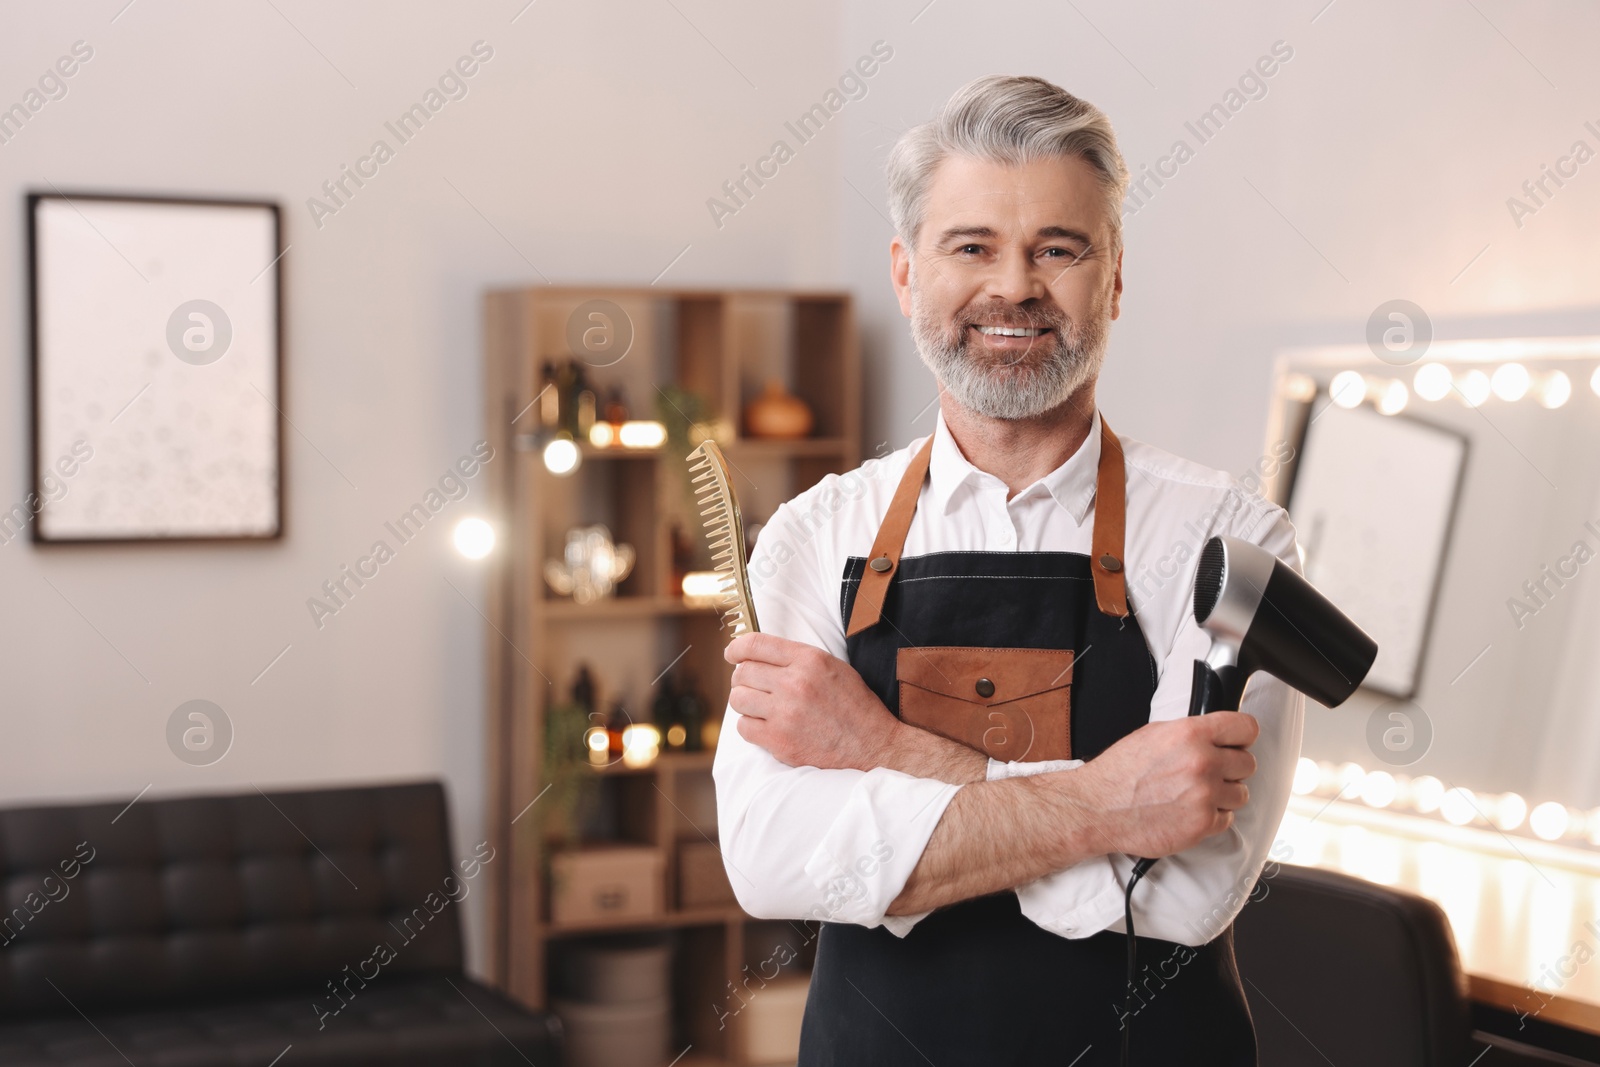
x: 1216, y: 689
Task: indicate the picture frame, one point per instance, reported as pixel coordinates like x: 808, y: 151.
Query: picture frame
x: 1386, y: 575
x: 156, y: 356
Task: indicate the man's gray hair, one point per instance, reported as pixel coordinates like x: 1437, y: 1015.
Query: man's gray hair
x: 1005, y: 119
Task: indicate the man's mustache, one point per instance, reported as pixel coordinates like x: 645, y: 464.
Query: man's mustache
x: 1054, y: 320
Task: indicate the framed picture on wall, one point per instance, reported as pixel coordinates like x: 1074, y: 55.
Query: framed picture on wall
x: 1373, y: 500
x: 156, y: 335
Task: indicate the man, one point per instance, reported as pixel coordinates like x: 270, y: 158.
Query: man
x: 967, y: 713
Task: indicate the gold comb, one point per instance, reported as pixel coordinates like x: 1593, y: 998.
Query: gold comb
x: 713, y: 490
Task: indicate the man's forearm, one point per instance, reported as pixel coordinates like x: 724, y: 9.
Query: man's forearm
x: 922, y: 754
x: 1002, y: 834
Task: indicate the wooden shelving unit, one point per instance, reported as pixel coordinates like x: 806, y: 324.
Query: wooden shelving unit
x: 723, y: 345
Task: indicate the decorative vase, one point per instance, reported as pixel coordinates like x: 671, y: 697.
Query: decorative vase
x: 777, y: 414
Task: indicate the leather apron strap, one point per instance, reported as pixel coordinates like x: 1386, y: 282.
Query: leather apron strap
x: 1106, y: 561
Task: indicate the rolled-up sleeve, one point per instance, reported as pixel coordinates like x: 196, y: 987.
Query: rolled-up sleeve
x: 1192, y: 896
x: 805, y: 842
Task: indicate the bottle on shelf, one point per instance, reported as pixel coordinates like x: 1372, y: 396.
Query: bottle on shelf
x: 692, y: 714
x: 616, y: 410
x: 549, y: 397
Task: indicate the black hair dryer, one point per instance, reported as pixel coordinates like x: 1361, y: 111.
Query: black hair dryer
x: 1262, y: 616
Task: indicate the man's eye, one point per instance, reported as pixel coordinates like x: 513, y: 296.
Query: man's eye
x: 1062, y: 253
x: 970, y: 249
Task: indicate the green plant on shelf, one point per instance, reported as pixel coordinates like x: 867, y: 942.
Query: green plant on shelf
x: 573, y: 788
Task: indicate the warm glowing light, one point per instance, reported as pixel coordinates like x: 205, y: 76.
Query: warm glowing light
x: 1348, y: 389
x: 1511, y: 381
x: 561, y: 456
x: 1549, y: 820
x: 1427, y: 792
x: 1594, y: 826
x: 1392, y: 400
x: 677, y: 735
x: 1306, y: 775
x: 1510, y: 812
x: 1594, y: 381
x: 1378, y: 789
x: 602, y: 435
x: 1475, y: 388
x: 641, y: 744
x: 1555, y: 390
x: 1300, y: 387
x: 474, y: 538
x: 702, y: 587
x: 598, y: 742
x: 1458, y: 807
x: 1432, y: 381
x: 641, y: 434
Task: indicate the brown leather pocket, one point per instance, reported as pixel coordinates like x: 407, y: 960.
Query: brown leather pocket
x: 1015, y: 704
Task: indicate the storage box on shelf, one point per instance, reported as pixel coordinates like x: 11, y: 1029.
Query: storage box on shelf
x: 722, y: 348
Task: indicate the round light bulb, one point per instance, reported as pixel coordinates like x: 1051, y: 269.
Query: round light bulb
x: 1555, y: 390
x: 1475, y: 388
x: 1426, y: 794
x: 1392, y: 400
x: 1300, y: 387
x: 1378, y: 789
x: 1511, y: 811
x: 1348, y: 389
x: 1548, y: 820
x: 1306, y: 776
x: 1457, y: 806
x: 1432, y: 381
x: 1349, y: 777
x: 1511, y: 381
x: 561, y: 456
x: 474, y: 538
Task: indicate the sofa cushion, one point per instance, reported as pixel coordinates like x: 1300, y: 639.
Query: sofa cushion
x: 440, y: 1021
x: 110, y: 906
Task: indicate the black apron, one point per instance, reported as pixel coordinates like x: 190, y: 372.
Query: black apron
x: 977, y: 984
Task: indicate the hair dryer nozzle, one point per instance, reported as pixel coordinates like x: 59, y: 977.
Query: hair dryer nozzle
x: 1261, y: 615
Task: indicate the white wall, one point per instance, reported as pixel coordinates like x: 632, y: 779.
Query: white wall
x: 590, y: 141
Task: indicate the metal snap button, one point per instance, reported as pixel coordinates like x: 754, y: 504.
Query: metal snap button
x: 985, y: 688
x: 1111, y: 563
x: 881, y: 564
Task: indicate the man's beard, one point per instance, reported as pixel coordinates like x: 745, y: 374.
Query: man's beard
x: 1019, y: 385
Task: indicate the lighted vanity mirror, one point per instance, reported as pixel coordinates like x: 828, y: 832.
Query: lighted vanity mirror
x: 1451, y: 505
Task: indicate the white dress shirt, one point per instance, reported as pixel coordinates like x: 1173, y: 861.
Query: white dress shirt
x: 838, y: 845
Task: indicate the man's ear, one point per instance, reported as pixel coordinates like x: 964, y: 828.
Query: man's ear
x: 1116, y: 287
x: 900, y: 273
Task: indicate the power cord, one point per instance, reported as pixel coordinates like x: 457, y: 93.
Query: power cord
x: 1139, y: 869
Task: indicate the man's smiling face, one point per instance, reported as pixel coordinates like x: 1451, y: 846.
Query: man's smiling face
x: 1013, y: 285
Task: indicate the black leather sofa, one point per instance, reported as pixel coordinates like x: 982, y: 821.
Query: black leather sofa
x: 319, y: 927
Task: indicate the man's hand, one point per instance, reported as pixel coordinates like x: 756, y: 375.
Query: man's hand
x: 811, y: 709
x: 807, y: 708
x: 1169, y: 785
x: 1163, y: 788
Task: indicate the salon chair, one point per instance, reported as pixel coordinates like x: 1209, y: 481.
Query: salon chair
x: 1344, y: 971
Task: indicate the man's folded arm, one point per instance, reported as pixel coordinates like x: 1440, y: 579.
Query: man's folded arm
x: 1191, y: 896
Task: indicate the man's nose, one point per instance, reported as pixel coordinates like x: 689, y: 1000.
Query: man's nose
x: 1016, y: 278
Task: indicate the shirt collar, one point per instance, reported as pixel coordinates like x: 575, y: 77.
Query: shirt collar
x: 1072, y: 484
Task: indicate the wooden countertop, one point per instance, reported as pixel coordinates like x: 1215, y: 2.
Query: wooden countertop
x: 1526, y: 913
